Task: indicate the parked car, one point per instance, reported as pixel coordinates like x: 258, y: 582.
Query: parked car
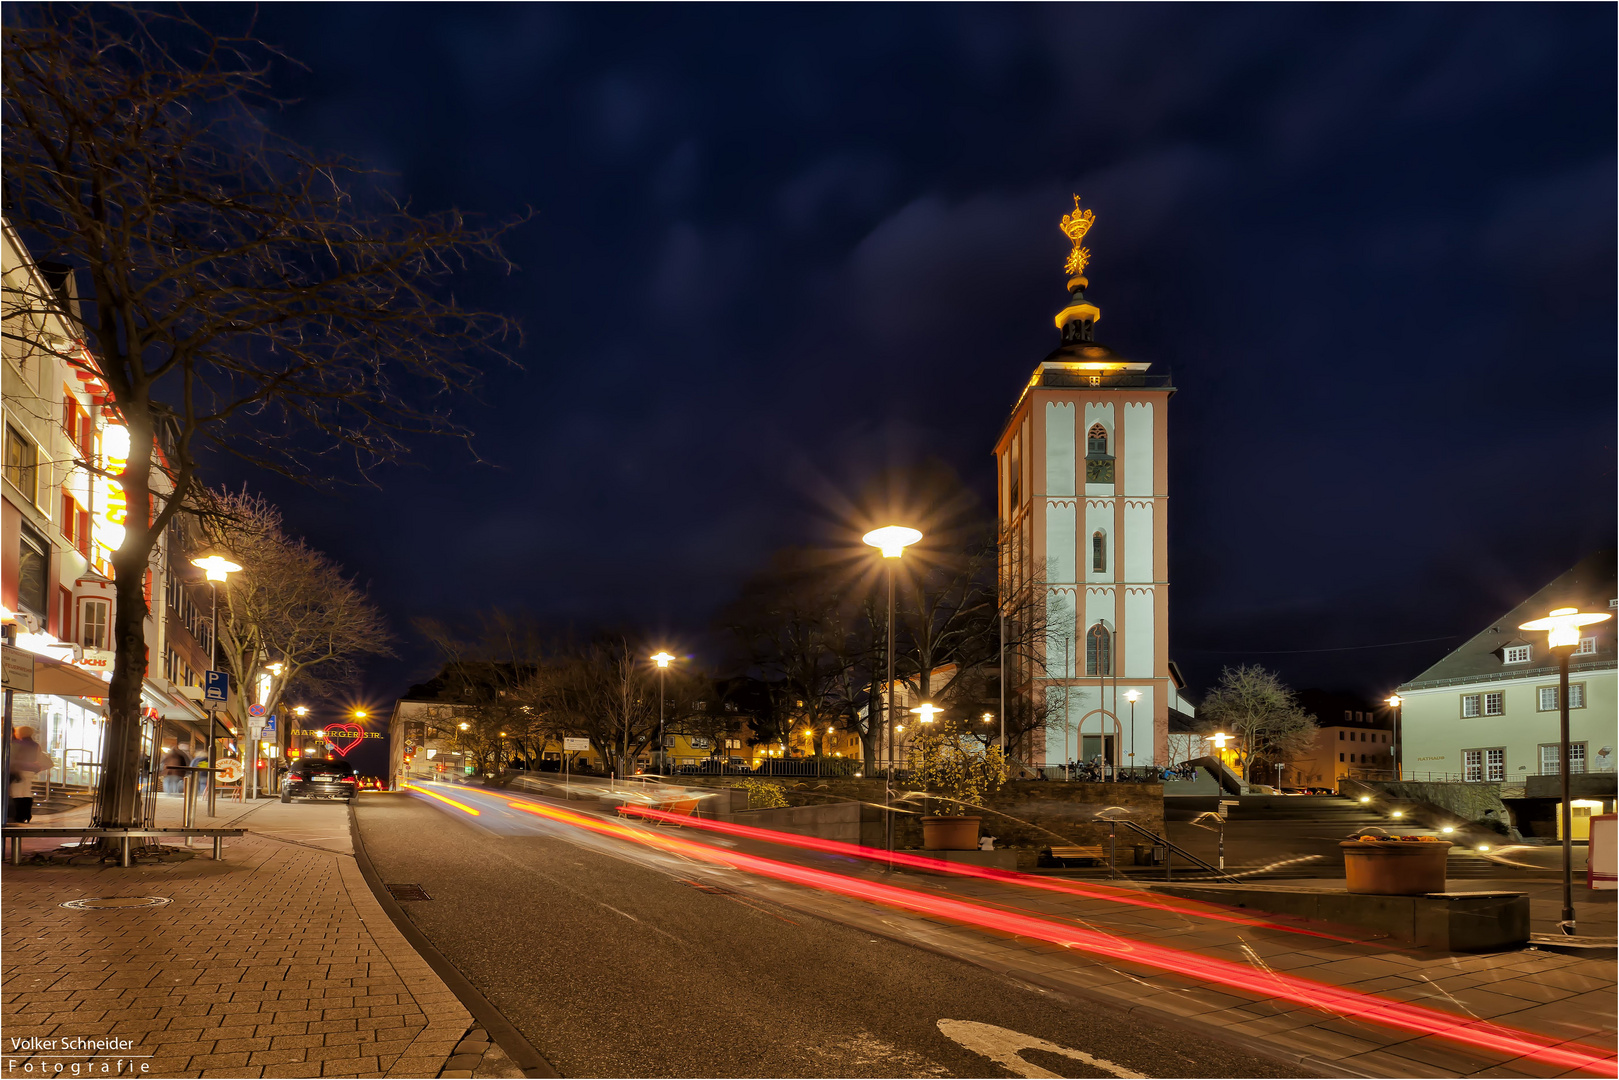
x: 320, y: 778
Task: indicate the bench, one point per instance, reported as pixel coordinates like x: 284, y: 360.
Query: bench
x: 675, y: 807
x: 17, y: 833
x: 1093, y: 855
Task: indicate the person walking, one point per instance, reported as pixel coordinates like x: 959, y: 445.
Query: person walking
x: 28, y: 760
x: 201, y: 762
x: 174, y: 763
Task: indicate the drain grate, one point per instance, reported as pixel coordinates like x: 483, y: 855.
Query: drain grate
x: 98, y: 903
x: 408, y: 892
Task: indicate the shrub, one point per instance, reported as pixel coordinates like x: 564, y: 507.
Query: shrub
x: 763, y: 794
x: 954, y: 766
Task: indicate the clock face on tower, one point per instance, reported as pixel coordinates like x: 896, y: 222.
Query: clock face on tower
x: 1098, y: 470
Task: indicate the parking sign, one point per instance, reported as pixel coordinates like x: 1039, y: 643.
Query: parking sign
x: 218, y: 686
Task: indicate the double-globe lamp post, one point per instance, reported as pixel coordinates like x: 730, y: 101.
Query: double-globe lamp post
x: 1562, y: 628
x: 662, y: 659
x: 218, y: 568
x: 891, y: 540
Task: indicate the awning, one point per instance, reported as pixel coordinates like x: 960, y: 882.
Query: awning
x: 65, y: 680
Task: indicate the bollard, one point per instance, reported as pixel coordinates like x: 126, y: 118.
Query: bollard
x: 124, y: 859
x: 188, y: 813
x: 219, y: 848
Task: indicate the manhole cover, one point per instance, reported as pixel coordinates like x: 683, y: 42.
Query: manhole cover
x: 100, y: 902
x: 408, y: 892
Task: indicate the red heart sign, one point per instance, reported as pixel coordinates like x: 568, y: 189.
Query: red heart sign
x: 344, y: 737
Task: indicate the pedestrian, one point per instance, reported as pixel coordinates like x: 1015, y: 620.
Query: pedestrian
x: 201, y: 762
x: 174, y: 764
x: 28, y: 760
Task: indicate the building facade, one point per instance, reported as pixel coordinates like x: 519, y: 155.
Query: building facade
x: 1355, y: 739
x: 61, y: 517
x: 1083, y: 479
x: 1489, y: 711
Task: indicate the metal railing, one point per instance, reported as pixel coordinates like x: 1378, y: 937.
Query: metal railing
x: 1094, y: 772
x: 1170, y: 849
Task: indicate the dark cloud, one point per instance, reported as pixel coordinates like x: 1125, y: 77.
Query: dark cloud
x: 777, y: 250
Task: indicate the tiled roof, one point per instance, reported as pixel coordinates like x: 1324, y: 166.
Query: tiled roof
x: 1589, y: 586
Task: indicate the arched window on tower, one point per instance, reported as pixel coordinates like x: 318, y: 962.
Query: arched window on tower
x: 1098, y: 651
x: 1098, y: 462
x: 1099, y: 552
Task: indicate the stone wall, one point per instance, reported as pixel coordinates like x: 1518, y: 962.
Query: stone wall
x: 1025, y: 814
x: 1467, y: 801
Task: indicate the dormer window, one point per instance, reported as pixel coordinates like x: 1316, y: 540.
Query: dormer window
x: 1588, y: 647
x: 1515, y: 654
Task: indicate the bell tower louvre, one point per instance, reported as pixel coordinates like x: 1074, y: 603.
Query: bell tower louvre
x: 1083, y: 469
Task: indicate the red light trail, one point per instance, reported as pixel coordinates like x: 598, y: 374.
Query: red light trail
x: 1006, y: 877
x: 1308, y: 992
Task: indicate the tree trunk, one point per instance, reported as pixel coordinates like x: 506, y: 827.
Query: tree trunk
x: 118, y: 803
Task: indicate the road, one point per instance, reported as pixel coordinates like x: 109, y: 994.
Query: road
x: 616, y: 960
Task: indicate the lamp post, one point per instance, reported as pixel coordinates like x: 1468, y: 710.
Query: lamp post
x: 218, y: 568
x: 891, y: 540
x: 1132, y: 696
x: 662, y: 659
x: 1395, y: 701
x: 1562, y: 628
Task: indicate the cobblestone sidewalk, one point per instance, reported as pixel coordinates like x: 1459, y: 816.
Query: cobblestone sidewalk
x: 277, y: 962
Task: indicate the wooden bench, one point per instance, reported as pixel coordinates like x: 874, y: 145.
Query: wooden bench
x: 676, y: 807
x: 1093, y: 855
x: 17, y: 833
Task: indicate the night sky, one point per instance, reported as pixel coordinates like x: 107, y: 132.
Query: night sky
x: 776, y: 249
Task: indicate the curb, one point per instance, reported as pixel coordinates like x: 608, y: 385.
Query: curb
x: 506, y: 1036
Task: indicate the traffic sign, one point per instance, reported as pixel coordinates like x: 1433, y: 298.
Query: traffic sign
x: 269, y: 725
x: 217, y: 686
x: 255, y: 709
x: 575, y: 744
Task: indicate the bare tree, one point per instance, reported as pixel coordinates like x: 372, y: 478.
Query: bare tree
x: 290, y: 615
x: 1262, y: 711
x: 243, y: 290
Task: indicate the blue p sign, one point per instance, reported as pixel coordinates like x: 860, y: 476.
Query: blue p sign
x: 218, y: 686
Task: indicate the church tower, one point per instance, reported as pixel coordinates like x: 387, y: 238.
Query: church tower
x: 1083, y: 480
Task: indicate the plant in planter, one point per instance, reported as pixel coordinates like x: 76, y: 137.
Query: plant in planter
x: 958, y: 771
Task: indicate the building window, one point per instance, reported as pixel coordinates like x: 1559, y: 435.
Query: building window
x: 22, y: 463
x: 33, y: 574
x: 1495, y: 764
x: 1098, y: 465
x: 1470, y: 704
x: 1546, y: 697
x: 1495, y: 703
x: 93, y: 622
x: 1472, y: 765
x: 1099, y: 552
x: 1488, y: 765
x: 1548, y: 758
x: 1098, y: 651
x: 1340, y: 757
x: 1340, y: 736
x: 1515, y: 654
x: 1096, y: 441
x: 1588, y: 647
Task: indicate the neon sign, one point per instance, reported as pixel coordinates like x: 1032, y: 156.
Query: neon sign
x: 344, y: 737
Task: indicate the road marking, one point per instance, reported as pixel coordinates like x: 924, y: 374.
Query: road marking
x: 1002, y: 1046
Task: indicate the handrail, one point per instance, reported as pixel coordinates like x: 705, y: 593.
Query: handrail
x: 1168, y: 847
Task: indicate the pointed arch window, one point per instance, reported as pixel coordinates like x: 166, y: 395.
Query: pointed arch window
x: 1099, y: 552
x: 1098, y: 651
x: 1096, y: 441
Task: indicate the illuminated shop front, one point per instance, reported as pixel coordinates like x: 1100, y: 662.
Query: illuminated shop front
x: 72, y: 736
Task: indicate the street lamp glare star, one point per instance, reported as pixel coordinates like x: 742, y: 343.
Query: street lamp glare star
x: 359, y: 714
x: 892, y: 539
x: 1562, y: 626
x: 217, y: 565
x: 662, y: 659
x: 300, y: 710
x: 465, y: 726
x: 928, y: 711
x: 1395, y: 700
x: 1132, y: 696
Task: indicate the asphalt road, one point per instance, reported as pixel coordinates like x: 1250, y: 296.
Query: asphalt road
x: 612, y: 961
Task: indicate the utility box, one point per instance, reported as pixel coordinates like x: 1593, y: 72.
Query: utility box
x: 1603, y: 853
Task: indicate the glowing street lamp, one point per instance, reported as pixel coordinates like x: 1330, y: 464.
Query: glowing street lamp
x: 1132, y: 696
x: 928, y: 711
x: 1220, y: 738
x: 1394, y: 702
x: 300, y: 710
x: 662, y: 659
x: 218, y: 568
x: 891, y: 540
x: 1562, y: 628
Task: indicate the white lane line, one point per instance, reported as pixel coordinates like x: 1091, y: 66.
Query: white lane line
x: 1003, y: 1045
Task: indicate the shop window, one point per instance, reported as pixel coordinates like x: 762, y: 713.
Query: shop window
x: 33, y: 574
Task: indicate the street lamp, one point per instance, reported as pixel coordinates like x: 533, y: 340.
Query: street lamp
x: 1395, y: 701
x: 218, y: 568
x: 1132, y: 696
x: 891, y: 540
x: 662, y: 659
x: 928, y: 711
x: 1562, y: 628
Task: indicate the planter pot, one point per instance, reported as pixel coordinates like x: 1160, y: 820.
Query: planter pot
x: 1395, y: 867
x: 950, y: 833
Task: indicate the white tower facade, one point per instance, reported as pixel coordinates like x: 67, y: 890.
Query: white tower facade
x: 1083, y: 469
